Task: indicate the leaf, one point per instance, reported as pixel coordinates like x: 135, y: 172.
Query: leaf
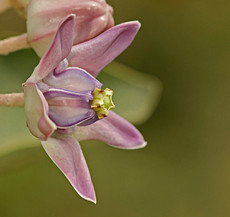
x: 14, y: 69
x: 19, y: 159
x: 6, y: 34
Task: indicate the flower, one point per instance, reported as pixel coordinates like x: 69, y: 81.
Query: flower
x: 44, y: 17
x: 62, y: 97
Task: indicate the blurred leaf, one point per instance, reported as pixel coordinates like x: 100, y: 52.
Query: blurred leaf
x: 11, y: 21
x: 16, y: 160
x: 14, y: 69
x: 136, y: 94
x: 13, y: 131
x: 5, y: 34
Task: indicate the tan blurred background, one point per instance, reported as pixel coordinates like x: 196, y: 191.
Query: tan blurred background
x: 184, y: 170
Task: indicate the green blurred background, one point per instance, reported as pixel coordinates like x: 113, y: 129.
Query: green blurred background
x: 184, y: 170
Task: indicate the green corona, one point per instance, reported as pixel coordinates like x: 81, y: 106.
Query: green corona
x: 102, y: 102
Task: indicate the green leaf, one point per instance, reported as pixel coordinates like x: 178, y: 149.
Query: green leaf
x: 6, y: 34
x: 14, y: 69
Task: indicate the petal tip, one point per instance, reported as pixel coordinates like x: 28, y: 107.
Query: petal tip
x: 142, y: 145
x: 70, y: 17
x: 91, y: 198
x: 139, y: 146
x: 135, y: 24
x: 94, y: 200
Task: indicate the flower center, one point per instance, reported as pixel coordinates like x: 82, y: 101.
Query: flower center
x: 102, y: 102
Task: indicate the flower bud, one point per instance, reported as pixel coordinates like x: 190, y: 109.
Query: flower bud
x: 44, y: 17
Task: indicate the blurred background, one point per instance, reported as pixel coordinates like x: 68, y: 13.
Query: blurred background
x: 184, y: 170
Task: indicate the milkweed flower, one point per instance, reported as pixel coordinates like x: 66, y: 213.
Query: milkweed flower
x: 64, y: 102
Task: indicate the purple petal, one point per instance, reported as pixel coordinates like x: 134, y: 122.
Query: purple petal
x: 55, y: 92
x: 69, y: 108
x: 113, y: 130
x: 36, y: 111
x: 89, y: 121
x: 66, y: 153
x: 58, y: 50
x: 98, y: 52
x: 74, y: 79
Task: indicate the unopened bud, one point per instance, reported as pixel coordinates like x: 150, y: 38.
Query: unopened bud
x: 44, y: 18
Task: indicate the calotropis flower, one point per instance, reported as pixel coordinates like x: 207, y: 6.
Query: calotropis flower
x: 64, y: 102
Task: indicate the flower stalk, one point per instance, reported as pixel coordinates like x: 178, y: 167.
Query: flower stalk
x: 12, y: 100
x: 13, y: 44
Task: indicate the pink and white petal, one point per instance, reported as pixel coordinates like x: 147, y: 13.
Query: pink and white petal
x: 113, y: 130
x: 36, y: 111
x: 66, y: 153
x: 72, y: 112
x: 69, y: 108
x: 95, y: 54
x: 74, y: 79
x: 58, y: 50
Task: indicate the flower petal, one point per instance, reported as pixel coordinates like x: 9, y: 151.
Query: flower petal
x: 74, y: 79
x: 66, y: 153
x: 58, y: 50
x: 113, y: 130
x: 96, y: 53
x: 36, y: 110
x: 68, y: 108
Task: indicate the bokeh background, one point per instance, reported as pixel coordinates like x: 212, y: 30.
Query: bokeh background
x: 184, y: 170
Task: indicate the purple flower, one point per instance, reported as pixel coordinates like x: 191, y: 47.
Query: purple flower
x: 63, y: 100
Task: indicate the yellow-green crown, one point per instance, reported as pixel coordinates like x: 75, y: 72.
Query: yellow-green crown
x: 102, y: 102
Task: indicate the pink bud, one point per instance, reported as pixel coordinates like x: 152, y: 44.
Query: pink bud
x: 44, y: 17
